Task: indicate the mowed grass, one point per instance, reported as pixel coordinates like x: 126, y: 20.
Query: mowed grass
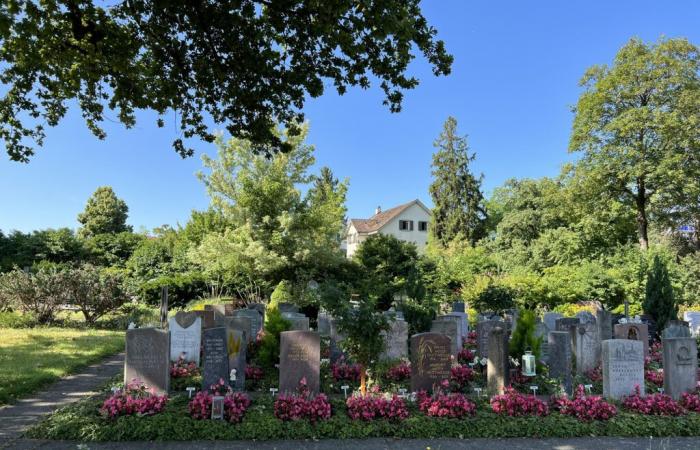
x: 31, y: 358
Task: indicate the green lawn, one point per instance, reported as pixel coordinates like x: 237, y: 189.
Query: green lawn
x: 30, y: 358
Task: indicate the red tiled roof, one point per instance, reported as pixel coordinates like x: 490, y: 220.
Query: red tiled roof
x: 377, y: 221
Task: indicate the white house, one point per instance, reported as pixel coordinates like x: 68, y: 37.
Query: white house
x: 408, y: 222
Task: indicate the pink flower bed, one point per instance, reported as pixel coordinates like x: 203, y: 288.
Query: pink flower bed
x: 254, y: 373
x: 653, y: 404
x: 135, y: 398
x: 465, y: 356
x: 460, y: 376
x: 341, y: 370
x: 445, y: 405
x: 583, y: 407
x: 235, y: 403
x: 654, y: 376
x: 471, y: 340
x: 399, y: 372
x: 690, y: 402
x: 183, y: 369
x: 595, y: 374
x: 370, y: 407
x: 513, y: 403
x: 302, y: 405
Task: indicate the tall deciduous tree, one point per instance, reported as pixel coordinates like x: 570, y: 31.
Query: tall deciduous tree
x: 247, y: 64
x: 104, y: 213
x: 458, y: 210
x: 637, y: 125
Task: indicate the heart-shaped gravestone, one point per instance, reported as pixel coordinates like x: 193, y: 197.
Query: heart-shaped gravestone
x: 185, y: 318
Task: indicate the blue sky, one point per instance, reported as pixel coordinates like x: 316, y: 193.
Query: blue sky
x: 514, y: 80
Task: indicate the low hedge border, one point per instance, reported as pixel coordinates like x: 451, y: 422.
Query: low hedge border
x: 81, y: 421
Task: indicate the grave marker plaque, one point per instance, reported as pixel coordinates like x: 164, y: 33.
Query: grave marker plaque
x: 300, y: 357
x: 185, y: 336
x: 148, y: 358
x: 236, y: 345
x: 680, y: 359
x: 623, y: 367
x: 215, y: 357
x: 396, y: 340
x: 482, y: 330
x: 430, y: 360
x: 560, y: 358
x: 587, y: 347
x: 451, y: 327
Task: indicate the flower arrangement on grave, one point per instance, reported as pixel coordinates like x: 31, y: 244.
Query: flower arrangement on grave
x: 399, y: 372
x: 655, y: 353
x: 254, y: 373
x: 302, y: 405
x: 584, y: 407
x: 690, y: 401
x: 653, y: 404
x: 134, y: 399
x: 342, y: 370
x: 460, y: 377
x: 441, y: 404
x: 369, y: 407
x: 513, y: 403
x: 470, y: 342
x: 235, y: 403
x: 655, y: 377
x: 466, y: 356
x: 184, y: 373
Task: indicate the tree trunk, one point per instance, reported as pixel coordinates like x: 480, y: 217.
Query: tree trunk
x: 642, y: 222
x: 363, y: 380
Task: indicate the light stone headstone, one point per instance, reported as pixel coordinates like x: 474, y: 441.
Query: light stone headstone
x: 288, y: 308
x: 623, y: 368
x: 148, y: 358
x: 560, y: 359
x: 396, y: 340
x: 482, y: 330
x: 298, y: 321
x: 236, y: 345
x: 451, y: 327
x: 259, y: 307
x: 185, y: 336
x: 324, y: 323
x: 634, y: 332
x: 550, y: 319
x: 693, y: 319
x: 256, y: 321
x: 587, y: 347
x: 565, y: 323
x: 676, y: 329
x: 300, y: 357
x: 464, y: 324
x: 497, y: 368
x: 215, y: 357
x: 585, y: 317
x: 431, y: 361
x: 604, y: 324
x: 680, y: 360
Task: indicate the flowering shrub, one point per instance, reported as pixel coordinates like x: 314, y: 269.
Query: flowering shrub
x: 471, y: 340
x: 399, y: 372
x: 235, y: 403
x: 135, y: 398
x: 460, y: 376
x: 653, y: 404
x: 655, y: 352
x: 183, y: 369
x: 302, y: 405
x: 690, y: 402
x: 465, y: 356
x: 595, y: 374
x: 654, y: 376
x: 341, y: 370
x: 254, y: 373
x: 583, y: 407
x: 513, y: 403
x: 453, y: 405
x: 368, y: 407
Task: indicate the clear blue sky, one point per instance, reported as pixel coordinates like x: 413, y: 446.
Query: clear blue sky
x: 514, y: 79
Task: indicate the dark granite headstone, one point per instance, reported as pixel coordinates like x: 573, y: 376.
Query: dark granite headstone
x: 430, y: 360
x: 215, y: 357
x: 604, y: 324
x: 300, y: 357
x: 560, y: 359
x: 256, y: 321
x: 458, y: 307
x: 207, y: 318
x: 148, y: 358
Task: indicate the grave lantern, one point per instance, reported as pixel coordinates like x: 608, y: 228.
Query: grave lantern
x: 528, y: 364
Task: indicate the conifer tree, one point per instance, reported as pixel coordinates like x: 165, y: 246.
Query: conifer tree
x: 659, y: 301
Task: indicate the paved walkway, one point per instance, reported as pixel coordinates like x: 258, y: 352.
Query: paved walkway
x: 604, y: 443
x: 16, y: 418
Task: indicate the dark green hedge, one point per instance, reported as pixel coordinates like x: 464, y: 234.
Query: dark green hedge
x: 81, y: 422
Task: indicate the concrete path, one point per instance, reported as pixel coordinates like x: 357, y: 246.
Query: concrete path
x: 604, y: 443
x: 16, y: 418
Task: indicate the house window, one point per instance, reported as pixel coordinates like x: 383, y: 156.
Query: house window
x: 406, y: 225
x: 422, y: 226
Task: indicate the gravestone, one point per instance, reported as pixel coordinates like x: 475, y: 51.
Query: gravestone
x: 565, y: 323
x: 185, y: 336
x: 396, y: 340
x: 241, y: 324
x: 560, y: 358
x: 458, y: 307
x: 256, y: 322
x: 633, y: 332
x: 163, y: 306
x: 542, y: 333
x: 324, y: 323
x: 623, y: 367
x: 604, y: 324
x: 215, y: 357
x: 676, y: 329
x: 585, y: 317
x: 497, y: 369
x: 336, y: 338
x: 680, y: 360
x: 207, y: 318
x: 288, y: 308
x: 148, y: 358
x: 550, y: 319
x: 236, y: 348
x: 298, y: 321
x: 430, y: 360
x: 463, y: 324
x: 300, y: 357
x: 693, y: 319
x: 651, y: 326
x: 586, y: 347
x: 259, y: 307
x: 482, y: 331
x: 449, y: 326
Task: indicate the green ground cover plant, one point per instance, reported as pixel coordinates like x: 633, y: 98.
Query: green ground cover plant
x: 30, y: 358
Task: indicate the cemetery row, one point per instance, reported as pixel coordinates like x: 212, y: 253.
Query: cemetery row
x: 451, y: 371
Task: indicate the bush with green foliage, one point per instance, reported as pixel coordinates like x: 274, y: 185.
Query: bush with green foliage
x: 659, y: 301
x: 269, y: 349
x: 38, y: 293
x: 182, y: 288
x: 494, y: 298
x: 523, y: 337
